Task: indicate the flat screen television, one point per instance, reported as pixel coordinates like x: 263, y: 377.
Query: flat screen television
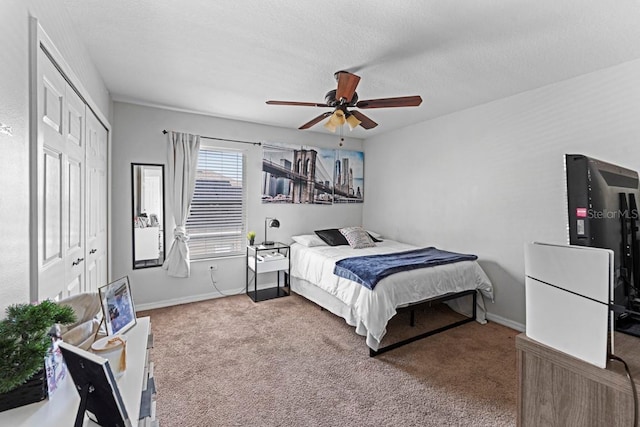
x: 602, y: 211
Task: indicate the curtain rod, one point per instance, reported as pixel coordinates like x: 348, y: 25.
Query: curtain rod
x: 164, y: 131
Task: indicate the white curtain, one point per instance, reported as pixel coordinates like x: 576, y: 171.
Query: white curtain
x: 183, y: 163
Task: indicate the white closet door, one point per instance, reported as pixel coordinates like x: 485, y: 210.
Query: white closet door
x: 60, y: 166
x: 75, y: 150
x: 96, y: 224
x: 51, y: 170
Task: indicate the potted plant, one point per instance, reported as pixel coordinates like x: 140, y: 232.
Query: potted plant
x: 251, y: 235
x: 24, y: 342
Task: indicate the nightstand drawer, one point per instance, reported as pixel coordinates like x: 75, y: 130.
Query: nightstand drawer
x: 268, y: 266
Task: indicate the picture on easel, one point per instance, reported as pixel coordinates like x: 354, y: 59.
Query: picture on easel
x: 117, y: 306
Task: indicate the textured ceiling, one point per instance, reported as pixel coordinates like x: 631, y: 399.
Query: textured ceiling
x: 226, y: 58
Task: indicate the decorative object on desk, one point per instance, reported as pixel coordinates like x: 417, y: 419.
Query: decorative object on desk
x: 269, y: 223
x: 251, y: 235
x: 114, y: 349
x: 33, y: 390
x: 54, y: 365
x: 117, y: 306
x: 88, y: 312
x: 24, y: 343
x: 99, y: 393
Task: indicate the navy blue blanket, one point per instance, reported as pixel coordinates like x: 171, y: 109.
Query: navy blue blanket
x: 370, y: 269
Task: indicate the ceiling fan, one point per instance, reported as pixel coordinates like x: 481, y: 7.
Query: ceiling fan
x: 345, y: 97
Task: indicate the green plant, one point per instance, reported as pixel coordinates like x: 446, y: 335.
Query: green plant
x: 24, y: 339
x: 251, y: 235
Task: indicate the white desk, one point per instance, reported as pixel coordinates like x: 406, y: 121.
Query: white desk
x: 61, y: 408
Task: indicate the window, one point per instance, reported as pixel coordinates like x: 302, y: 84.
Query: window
x: 216, y: 221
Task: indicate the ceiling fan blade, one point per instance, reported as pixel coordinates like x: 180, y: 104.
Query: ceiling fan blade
x: 402, y: 101
x: 365, y: 121
x: 300, y: 104
x: 347, y: 84
x: 316, y: 120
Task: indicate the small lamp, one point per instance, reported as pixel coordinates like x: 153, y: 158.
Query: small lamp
x: 269, y: 223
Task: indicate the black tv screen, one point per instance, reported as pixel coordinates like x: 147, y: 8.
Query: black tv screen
x: 602, y: 210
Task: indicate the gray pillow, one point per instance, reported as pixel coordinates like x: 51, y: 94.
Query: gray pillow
x: 357, y: 237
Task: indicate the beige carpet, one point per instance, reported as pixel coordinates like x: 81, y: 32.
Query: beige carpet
x: 285, y: 362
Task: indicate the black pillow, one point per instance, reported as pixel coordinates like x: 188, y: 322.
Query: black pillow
x: 332, y: 237
x: 374, y: 239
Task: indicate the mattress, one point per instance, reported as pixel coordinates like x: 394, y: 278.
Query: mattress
x: 369, y: 311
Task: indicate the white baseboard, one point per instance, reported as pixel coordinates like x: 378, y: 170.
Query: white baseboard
x: 185, y: 300
x: 506, y: 322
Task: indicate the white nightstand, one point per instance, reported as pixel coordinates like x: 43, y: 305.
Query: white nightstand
x: 267, y: 259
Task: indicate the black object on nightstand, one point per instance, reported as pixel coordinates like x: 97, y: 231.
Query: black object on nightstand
x: 261, y: 259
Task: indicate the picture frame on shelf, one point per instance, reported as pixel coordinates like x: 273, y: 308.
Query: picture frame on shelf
x: 117, y: 306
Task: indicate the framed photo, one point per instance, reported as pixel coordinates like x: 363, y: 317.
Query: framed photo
x: 117, y: 306
x: 100, y: 396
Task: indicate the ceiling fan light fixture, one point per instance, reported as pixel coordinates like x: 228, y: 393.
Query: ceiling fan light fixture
x: 335, y: 120
x: 329, y: 125
x: 352, y: 121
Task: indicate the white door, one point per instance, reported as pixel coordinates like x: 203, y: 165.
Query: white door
x: 50, y: 189
x: 60, y: 163
x: 96, y: 224
x: 75, y: 150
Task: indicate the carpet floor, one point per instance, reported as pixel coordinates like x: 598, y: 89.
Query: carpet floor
x: 286, y: 362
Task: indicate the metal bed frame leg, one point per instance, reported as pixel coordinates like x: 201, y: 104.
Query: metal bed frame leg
x: 373, y: 353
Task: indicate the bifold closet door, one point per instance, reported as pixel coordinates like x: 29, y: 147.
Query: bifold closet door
x: 60, y: 195
x: 96, y: 223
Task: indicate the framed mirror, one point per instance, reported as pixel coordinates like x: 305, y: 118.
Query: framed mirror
x: 147, y: 181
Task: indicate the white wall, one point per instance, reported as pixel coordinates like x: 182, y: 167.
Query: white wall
x: 488, y: 179
x: 14, y: 112
x: 138, y: 137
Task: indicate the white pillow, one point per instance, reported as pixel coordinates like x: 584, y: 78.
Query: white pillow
x: 357, y: 237
x: 309, y: 240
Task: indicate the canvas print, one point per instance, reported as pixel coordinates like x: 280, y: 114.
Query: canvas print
x: 297, y: 174
x: 348, y: 177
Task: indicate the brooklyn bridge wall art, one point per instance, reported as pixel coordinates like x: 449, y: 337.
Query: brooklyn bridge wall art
x: 302, y: 174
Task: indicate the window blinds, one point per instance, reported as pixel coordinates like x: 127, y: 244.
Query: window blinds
x: 216, y: 221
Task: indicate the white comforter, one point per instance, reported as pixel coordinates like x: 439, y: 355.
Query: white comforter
x: 373, y: 309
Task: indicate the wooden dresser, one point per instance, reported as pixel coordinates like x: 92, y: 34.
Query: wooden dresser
x: 555, y: 389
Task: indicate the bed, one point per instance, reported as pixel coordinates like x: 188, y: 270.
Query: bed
x: 312, y: 276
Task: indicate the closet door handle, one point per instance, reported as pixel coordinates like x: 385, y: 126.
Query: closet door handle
x: 76, y: 262
x: 93, y: 251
